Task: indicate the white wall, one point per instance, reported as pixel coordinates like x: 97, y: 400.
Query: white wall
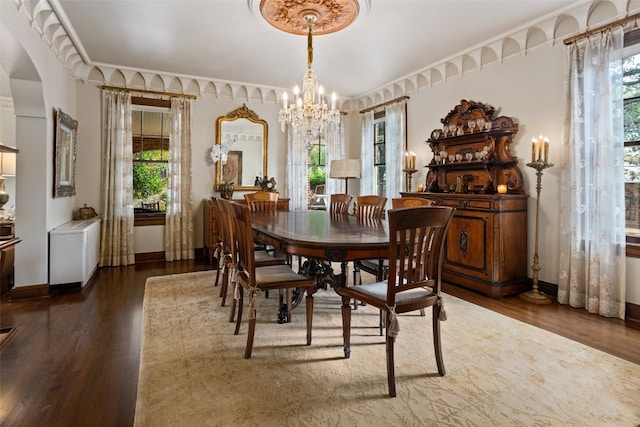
x: 530, y: 89
x: 39, y: 84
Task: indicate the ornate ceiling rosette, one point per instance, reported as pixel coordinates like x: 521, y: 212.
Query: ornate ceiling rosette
x: 289, y: 15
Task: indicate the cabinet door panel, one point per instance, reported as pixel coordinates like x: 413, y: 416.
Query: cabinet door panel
x: 466, y: 248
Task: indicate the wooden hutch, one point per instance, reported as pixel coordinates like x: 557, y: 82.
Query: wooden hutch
x: 486, y: 247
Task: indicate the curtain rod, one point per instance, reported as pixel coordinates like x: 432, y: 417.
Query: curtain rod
x: 601, y: 29
x: 384, y: 104
x: 152, y: 92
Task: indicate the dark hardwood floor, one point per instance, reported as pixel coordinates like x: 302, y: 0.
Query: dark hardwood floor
x: 73, y: 359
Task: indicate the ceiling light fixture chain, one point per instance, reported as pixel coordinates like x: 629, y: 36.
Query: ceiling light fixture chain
x: 309, y: 112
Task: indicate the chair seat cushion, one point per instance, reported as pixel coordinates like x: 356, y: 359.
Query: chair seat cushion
x: 378, y: 291
x: 263, y: 258
x: 281, y: 276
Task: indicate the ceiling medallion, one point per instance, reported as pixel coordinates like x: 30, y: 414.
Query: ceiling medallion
x: 289, y: 15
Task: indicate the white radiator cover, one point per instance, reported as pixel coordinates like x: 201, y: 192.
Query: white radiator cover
x: 74, y: 250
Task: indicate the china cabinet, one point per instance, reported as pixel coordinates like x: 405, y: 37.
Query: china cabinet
x: 486, y: 248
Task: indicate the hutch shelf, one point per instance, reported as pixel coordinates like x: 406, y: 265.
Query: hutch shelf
x: 486, y: 248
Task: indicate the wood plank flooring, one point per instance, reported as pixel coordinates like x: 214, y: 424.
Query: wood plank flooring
x: 73, y: 359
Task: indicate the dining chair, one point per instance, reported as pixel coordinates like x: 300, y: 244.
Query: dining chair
x: 253, y: 279
x: 339, y: 203
x: 262, y: 201
x: 417, y: 236
x: 229, y: 254
x: 380, y: 267
x: 370, y: 207
x: 367, y: 208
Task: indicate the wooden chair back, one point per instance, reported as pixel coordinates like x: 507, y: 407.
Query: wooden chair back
x: 241, y: 222
x: 370, y: 207
x: 339, y: 203
x: 409, y: 202
x: 225, y: 231
x: 262, y: 201
x: 416, y: 250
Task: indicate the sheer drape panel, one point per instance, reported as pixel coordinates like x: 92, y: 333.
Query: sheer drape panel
x: 367, y: 182
x: 297, y: 172
x: 395, y: 142
x: 335, y: 151
x: 178, y: 230
x: 592, y: 243
x: 116, y: 243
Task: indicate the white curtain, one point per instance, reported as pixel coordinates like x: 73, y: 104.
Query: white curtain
x: 335, y: 150
x: 592, y: 243
x: 178, y: 230
x: 395, y: 141
x: 116, y: 243
x: 297, y: 170
x: 367, y: 181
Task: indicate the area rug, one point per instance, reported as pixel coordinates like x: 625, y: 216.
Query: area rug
x: 500, y: 372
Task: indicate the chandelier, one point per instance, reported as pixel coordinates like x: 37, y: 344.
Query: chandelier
x: 309, y: 111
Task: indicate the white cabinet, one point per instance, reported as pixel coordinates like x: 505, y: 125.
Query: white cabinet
x: 74, y: 251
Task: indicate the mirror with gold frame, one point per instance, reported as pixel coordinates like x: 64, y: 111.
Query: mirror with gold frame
x: 247, y: 156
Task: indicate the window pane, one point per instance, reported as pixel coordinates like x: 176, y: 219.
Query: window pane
x: 631, y: 81
x: 150, y: 147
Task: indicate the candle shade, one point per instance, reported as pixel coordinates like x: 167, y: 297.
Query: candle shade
x: 502, y: 189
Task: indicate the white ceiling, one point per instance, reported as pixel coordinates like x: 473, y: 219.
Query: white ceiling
x: 229, y: 40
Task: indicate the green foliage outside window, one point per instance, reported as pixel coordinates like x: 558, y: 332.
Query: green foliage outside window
x: 149, y: 179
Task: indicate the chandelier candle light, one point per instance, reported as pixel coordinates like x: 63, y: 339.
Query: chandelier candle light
x: 539, y: 161
x: 309, y: 110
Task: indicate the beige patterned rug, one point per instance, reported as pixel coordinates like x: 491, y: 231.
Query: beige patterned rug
x: 500, y: 372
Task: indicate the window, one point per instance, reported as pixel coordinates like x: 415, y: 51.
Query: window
x: 317, y: 174
x: 631, y: 91
x: 379, y: 149
x: 150, y: 129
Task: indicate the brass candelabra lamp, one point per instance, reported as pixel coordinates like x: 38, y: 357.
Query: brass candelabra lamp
x: 409, y: 173
x: 542, y: 145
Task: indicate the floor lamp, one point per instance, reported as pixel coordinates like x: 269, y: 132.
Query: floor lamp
x: 345, y: 169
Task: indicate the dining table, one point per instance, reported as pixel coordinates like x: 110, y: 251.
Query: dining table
x: 321, y: 238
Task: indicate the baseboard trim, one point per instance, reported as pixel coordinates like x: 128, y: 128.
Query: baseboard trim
x: 28, y: 292
x: 159, y: 256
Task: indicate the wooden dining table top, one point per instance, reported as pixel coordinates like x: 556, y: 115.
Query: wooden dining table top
x: 322, y: 235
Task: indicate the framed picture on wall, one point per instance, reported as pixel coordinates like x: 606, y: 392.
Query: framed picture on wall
x: 232, y: 170
x: 65, y: 155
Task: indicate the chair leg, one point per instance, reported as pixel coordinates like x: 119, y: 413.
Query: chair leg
x: 381, y: 322
x: 391, y: 372
x: 436, y: 339
x: 250, y: 334
x: 239, y: 317
x: 225, y: 285
x: 346, y: 326
x: 309, y: 304
x: 422, y: 312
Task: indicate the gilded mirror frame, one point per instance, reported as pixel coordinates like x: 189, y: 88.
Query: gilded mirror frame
x: 238, y: 157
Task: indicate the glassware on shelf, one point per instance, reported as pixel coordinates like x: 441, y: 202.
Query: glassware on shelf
x: 471, y: 124
x: 479, y: 155
x: 458, y: 157
x: 443, y: 154
x: 488, y: 125
x: 445, y: 130
x: 469, y: 156
x: 451, y: 158
x: 460, y: 130
x: 437, y: 158
x: 436, y: 134
x: 480, y: 124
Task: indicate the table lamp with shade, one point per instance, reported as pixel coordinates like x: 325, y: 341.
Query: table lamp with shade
x: 345, y: 169
x: 7, y: 168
